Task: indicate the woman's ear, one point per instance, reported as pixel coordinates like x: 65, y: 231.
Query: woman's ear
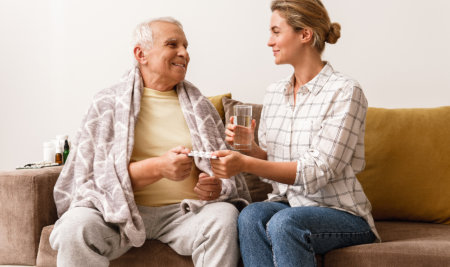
x: 306, y: 35
x: 139, y: 55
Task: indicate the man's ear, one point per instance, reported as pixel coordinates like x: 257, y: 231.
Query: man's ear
x: 139, y: 55
x: 306, y: 35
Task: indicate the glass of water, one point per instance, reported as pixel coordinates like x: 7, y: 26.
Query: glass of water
x: 243, y: 132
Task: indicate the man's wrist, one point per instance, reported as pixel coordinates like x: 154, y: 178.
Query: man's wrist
x: 158, y: 168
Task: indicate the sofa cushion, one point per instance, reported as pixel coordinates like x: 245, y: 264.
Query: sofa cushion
x: 407, y: 174
x: 258, y: 190
x: 217, y: 102
x: 404, y: 244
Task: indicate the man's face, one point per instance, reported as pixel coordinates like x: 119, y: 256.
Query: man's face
x: 168, y: 58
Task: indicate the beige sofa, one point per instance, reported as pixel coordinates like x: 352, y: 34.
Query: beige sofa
x: 407, y: 179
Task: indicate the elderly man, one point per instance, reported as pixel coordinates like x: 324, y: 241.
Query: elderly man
x: 129, y: 177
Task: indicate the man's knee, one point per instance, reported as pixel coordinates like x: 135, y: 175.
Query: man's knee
x: 75, y: 224
x: 223, y: 216
x: 227, y: 215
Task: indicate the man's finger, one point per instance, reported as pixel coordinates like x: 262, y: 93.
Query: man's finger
x: 209, y: 181
x: 177, y: 149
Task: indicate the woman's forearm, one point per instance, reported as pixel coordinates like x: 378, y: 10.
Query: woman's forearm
x: 257, y: 152
x: 282, y: 172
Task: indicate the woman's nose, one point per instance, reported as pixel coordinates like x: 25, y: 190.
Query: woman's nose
x: 270, y: 42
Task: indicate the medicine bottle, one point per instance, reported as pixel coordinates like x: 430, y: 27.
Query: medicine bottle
x: 66, y: 151
x: 58, y: 155
x: 49, y: 151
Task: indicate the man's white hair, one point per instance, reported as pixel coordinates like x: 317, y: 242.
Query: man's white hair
x: 143, y: 34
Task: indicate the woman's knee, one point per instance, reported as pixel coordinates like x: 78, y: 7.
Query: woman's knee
x: 258, y: 213
x: 251, y: 213
x: 289, y: 222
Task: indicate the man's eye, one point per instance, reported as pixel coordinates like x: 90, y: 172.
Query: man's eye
x: 172, y: 44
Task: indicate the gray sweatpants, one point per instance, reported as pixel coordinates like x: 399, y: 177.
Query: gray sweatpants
x: 83, y: 238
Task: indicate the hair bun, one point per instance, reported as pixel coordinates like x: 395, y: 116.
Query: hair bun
x: 334, y: 33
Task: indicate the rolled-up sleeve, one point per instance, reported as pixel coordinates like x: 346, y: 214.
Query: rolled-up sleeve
x: 334, y: 144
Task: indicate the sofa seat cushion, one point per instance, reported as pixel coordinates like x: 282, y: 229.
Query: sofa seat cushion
x: 404, y: 244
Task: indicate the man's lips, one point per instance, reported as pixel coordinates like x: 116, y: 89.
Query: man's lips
x: 182, y: 65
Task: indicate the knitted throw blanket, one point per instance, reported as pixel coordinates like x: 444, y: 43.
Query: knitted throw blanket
x: 96, y: 172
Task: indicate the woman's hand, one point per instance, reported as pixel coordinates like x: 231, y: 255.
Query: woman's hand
x: 229, y: 163
x: 230, y: 131
x: 208, y: 187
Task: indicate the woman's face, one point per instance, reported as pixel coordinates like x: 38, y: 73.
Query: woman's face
x: 285, y: 42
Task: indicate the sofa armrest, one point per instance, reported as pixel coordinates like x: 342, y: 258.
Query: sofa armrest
x: 27, y: 205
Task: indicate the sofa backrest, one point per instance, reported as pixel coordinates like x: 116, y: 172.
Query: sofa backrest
x: 407, y: 174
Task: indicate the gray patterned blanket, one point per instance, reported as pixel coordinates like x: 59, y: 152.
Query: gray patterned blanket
x: 96, y: 172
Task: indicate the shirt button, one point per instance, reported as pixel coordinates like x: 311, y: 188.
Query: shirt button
x: 314, y: 153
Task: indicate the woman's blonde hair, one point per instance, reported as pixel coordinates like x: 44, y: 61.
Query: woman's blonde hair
x: 300, y: 14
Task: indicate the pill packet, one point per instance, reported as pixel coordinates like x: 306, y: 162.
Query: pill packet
x: 202, y: 154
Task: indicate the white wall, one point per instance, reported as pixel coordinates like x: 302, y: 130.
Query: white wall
x: 55, y: 54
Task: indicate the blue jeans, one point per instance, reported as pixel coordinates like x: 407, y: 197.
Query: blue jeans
x: 275, y: 234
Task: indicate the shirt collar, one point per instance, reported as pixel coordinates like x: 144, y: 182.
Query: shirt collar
x: 317, y: 83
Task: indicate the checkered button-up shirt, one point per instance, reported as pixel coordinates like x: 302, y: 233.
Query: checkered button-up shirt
x: 324, y: 133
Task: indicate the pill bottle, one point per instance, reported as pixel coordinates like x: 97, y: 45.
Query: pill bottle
x: 60, y: 138
x: 58, y: 155
x: 49, y: 151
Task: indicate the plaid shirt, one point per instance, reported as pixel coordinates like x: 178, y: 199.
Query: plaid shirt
x: 324, y: 133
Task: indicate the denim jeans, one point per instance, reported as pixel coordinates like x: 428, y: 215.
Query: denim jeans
x: 276, y: 234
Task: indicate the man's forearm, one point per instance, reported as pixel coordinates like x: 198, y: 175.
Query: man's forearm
x: 144, y: 172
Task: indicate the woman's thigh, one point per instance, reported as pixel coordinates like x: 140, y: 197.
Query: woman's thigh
x: 326, y: 228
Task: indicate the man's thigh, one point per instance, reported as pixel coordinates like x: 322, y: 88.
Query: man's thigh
x: 189, y: 230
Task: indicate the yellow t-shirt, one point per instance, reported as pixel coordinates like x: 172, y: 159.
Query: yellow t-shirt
x: 160, y: 127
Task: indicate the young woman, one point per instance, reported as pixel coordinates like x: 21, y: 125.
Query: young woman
x: 311, y: 146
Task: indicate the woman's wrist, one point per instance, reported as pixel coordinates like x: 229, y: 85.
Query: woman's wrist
x: 246, y: 162
x: 257, y: 152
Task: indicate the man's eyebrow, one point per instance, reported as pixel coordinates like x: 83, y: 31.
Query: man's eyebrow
x: 175, y: 40
x: 171, y: 40
x: 274, y: 28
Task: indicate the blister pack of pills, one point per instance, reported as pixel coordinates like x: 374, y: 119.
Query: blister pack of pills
x: 202, y: 154
x: 38, y: 165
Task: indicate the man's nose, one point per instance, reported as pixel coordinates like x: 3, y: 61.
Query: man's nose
x: 183, y: 52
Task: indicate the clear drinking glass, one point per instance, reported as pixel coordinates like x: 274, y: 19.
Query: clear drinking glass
x: 243, y: 133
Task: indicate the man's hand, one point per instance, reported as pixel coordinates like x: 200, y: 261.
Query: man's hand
x: 175, y: 164
x: 229, y: 163
x: 208, y: 187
